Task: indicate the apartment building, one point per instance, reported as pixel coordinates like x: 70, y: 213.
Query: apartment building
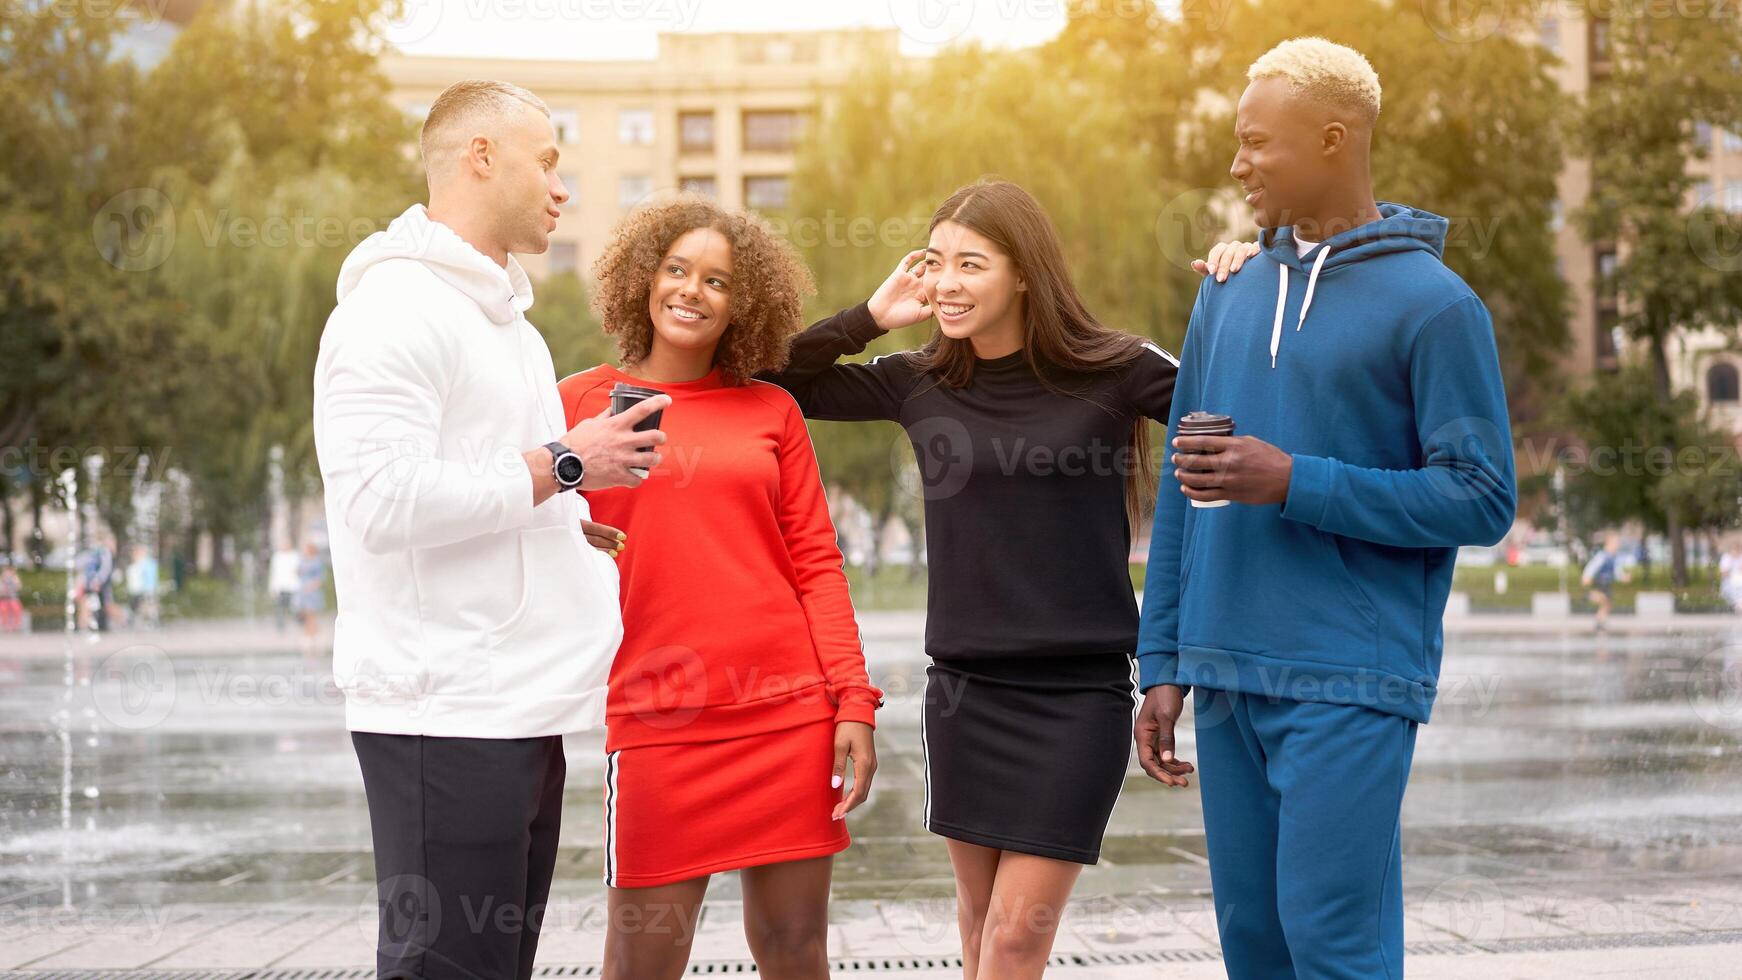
x: 721, y: 114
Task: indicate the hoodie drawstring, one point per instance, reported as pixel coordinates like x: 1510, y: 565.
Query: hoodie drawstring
x: 1282, y: 299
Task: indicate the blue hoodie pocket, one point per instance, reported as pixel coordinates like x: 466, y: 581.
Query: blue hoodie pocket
x: 1252, y: 584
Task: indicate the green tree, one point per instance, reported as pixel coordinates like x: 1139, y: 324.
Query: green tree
x: 1678, y: 265
x: 1471, y: 128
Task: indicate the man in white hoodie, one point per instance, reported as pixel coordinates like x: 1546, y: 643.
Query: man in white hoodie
x: 475, y: 624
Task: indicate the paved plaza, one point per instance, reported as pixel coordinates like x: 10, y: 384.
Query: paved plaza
x: 186, y: 804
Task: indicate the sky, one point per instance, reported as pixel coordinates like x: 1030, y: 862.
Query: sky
x: 628, y: 29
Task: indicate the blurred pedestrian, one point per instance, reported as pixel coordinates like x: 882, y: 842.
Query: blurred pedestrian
x: 142, y: 587
x: 284, y: 581
x: 1730, y: 574
x: 1600, y: 575
x: 11, y: 606
x: 311, y: 594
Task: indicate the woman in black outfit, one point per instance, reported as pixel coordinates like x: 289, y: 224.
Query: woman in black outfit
x: 1027, y: 419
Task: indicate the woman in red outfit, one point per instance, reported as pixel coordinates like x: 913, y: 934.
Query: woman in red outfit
x: 739, y: 692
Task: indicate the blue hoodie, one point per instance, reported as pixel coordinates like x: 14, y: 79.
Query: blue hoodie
x: 1388, y: 397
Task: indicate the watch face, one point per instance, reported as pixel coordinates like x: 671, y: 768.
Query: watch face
x: 568, y: 469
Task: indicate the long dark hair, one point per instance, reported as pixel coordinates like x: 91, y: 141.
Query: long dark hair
x: 1058, y: 332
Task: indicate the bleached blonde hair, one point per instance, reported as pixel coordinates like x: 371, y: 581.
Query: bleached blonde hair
x: 463, y: 106
x: 1323, y: 71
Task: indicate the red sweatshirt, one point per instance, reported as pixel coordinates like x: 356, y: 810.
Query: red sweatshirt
x: 736, y: 616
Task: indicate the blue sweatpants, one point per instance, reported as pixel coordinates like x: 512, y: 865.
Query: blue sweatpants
x: 1301, y: 805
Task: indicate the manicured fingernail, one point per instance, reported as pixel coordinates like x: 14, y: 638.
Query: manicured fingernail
x: 621, y: 536
x: 835, y: 782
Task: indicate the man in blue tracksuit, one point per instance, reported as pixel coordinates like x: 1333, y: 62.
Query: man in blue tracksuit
x: 1371, y: 441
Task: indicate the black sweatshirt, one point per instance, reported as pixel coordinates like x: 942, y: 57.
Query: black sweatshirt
x: 1024, y: 486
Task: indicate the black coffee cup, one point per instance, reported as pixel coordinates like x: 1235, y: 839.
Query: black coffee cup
x: 1205, y: 424
x: 625, y: 395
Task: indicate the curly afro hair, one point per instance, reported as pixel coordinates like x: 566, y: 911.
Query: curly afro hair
x: 769, y: 283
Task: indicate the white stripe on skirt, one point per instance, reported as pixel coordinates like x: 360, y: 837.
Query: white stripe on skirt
x: 611, y: 765
x: 925, y: 752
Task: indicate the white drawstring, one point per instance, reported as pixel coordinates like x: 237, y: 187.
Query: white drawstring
x: 1282, y: 300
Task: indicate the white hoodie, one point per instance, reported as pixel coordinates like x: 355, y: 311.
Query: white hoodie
x: 463, y: 609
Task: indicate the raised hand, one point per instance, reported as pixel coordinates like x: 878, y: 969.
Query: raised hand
x: 900, y: 301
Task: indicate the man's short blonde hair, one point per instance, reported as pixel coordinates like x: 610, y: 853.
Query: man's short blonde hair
x: 1325, y: 72
x: 463, y: 106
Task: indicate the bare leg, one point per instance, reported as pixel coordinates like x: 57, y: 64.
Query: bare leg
x: 1028, y: 900
x: 786, y: 918
x: 976, y: 869
x: 650, y: 930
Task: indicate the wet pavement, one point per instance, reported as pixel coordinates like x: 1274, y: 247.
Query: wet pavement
x: 190, y: 800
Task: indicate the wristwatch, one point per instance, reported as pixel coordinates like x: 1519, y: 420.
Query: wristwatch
x: 566, y: 466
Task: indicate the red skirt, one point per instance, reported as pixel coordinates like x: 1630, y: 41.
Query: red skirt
x: 676, y: 812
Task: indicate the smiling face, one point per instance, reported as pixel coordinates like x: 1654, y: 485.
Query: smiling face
x: 1283, y: 164
x: 972, y: 285
x: 528, y: 193
x: 689, y: 301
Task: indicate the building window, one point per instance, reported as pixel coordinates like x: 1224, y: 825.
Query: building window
x: 699, y: 185
x: 1599, y: 39
x: 572, y: 184
x: 564, y: 257
x: 635, y: 127
x: 1557, y: 217
x: 417, y: 112
x: 1732, y: 141
x: 1722, y: 383
x: 695, y: 132
x: 1549, y: 34
x: 1606, y: 265
x: 1705, y: 194
x: 1733, y: 196
x: 767, y: 193
x: 1608, y: 326
x: 772, y: 130
x: 566, y: 123
x: 632, y: 188
x: 1702, y: 136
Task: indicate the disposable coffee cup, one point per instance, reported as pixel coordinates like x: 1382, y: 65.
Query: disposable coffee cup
x: 625, y: 395
x: 1205, y: 424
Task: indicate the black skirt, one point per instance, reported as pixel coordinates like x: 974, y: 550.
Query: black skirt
x: 1028, y: 754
